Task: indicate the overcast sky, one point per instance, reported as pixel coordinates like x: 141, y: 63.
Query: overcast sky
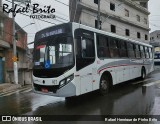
x: 154, y: 18
x: 62, y: 11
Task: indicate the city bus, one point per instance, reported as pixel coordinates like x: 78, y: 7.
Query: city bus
x: 72, y: 59
x: 157, y: 59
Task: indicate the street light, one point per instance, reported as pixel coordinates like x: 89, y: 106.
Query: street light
x: 15, y: 68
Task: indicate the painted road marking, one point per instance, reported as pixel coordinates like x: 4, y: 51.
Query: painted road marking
x: 24, y: 90
x: 8, y: 94
x: 11, y: 91
x: 153, y: 83
x: 142, y: 81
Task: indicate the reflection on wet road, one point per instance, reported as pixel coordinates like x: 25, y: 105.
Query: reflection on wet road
x: 130, y: 98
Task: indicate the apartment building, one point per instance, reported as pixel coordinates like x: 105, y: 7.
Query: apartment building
x: 127, y: 18
x: 155, y: 40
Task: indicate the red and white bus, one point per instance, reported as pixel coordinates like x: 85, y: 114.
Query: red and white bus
x: 73, y: 59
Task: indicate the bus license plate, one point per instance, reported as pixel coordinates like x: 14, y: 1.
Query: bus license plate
x: 44, y: 90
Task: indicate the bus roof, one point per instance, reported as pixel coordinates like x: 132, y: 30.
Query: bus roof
x: 97, y: 31
x: 110, y: 34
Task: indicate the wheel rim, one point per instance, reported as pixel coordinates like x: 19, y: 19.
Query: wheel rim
x: 104, y: 86
x: 143, y: 74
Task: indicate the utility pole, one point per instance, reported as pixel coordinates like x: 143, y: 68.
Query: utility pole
x: 99, y: 15
x: 15, y: 68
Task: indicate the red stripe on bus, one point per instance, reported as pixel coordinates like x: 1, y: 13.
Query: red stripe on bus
x: 41, y: 46
x: 112, y: 67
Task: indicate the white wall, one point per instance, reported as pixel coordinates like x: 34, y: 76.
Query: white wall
x: 89, y: 19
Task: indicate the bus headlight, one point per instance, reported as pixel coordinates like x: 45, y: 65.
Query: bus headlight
x: 66, y: 80
x: 62, y: 83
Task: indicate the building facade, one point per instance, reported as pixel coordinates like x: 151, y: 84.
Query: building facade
x: 155, y: 40
x: 6, y: 50
x: 4, y: 46
x: 127, y: 18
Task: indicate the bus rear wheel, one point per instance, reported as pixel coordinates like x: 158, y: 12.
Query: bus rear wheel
x: 104, y: 85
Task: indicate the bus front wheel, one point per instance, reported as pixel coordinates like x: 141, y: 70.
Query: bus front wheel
x: 104, y: 85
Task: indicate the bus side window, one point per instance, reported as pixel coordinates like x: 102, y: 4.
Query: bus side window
x: 85, y: 52
x: 144, y: 49
x: 131, y: 52
x: 123, y: 49
x: 142, y: 52
x: 114, y: 50
x: 147, y: 52
x: 78, y: 47
x: 87, y: 46
x: 102, y: 47
x: 150, y: 53
x: 138, y: 54
x: 84, y: 47
x: 134, y: 49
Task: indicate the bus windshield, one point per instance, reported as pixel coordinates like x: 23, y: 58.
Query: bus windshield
x: 54, y: 52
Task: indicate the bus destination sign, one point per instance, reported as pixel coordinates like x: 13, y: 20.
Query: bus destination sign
x: 51, y: 33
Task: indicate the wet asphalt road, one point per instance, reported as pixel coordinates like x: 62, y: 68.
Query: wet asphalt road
x: 130, y: 98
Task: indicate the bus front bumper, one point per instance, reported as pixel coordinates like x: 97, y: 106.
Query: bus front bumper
x: 66, y: 91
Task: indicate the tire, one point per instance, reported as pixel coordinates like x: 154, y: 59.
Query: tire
x: 143, y: 74
x: 104, y: 85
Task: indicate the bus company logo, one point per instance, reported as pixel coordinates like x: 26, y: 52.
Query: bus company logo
x: 35, y: 11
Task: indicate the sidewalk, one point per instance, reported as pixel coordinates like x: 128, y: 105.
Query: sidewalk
x: 10, y: 87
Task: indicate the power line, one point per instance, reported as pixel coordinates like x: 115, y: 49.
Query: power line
x: 108, y: 22
x: 56, y: 11
x: 56, y: 15
x: 62, y: 3
x: 108, y: 5
x: 35, y: 24
x: 154, y: 15
x: 154, y: 20
x: 158, y: 26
